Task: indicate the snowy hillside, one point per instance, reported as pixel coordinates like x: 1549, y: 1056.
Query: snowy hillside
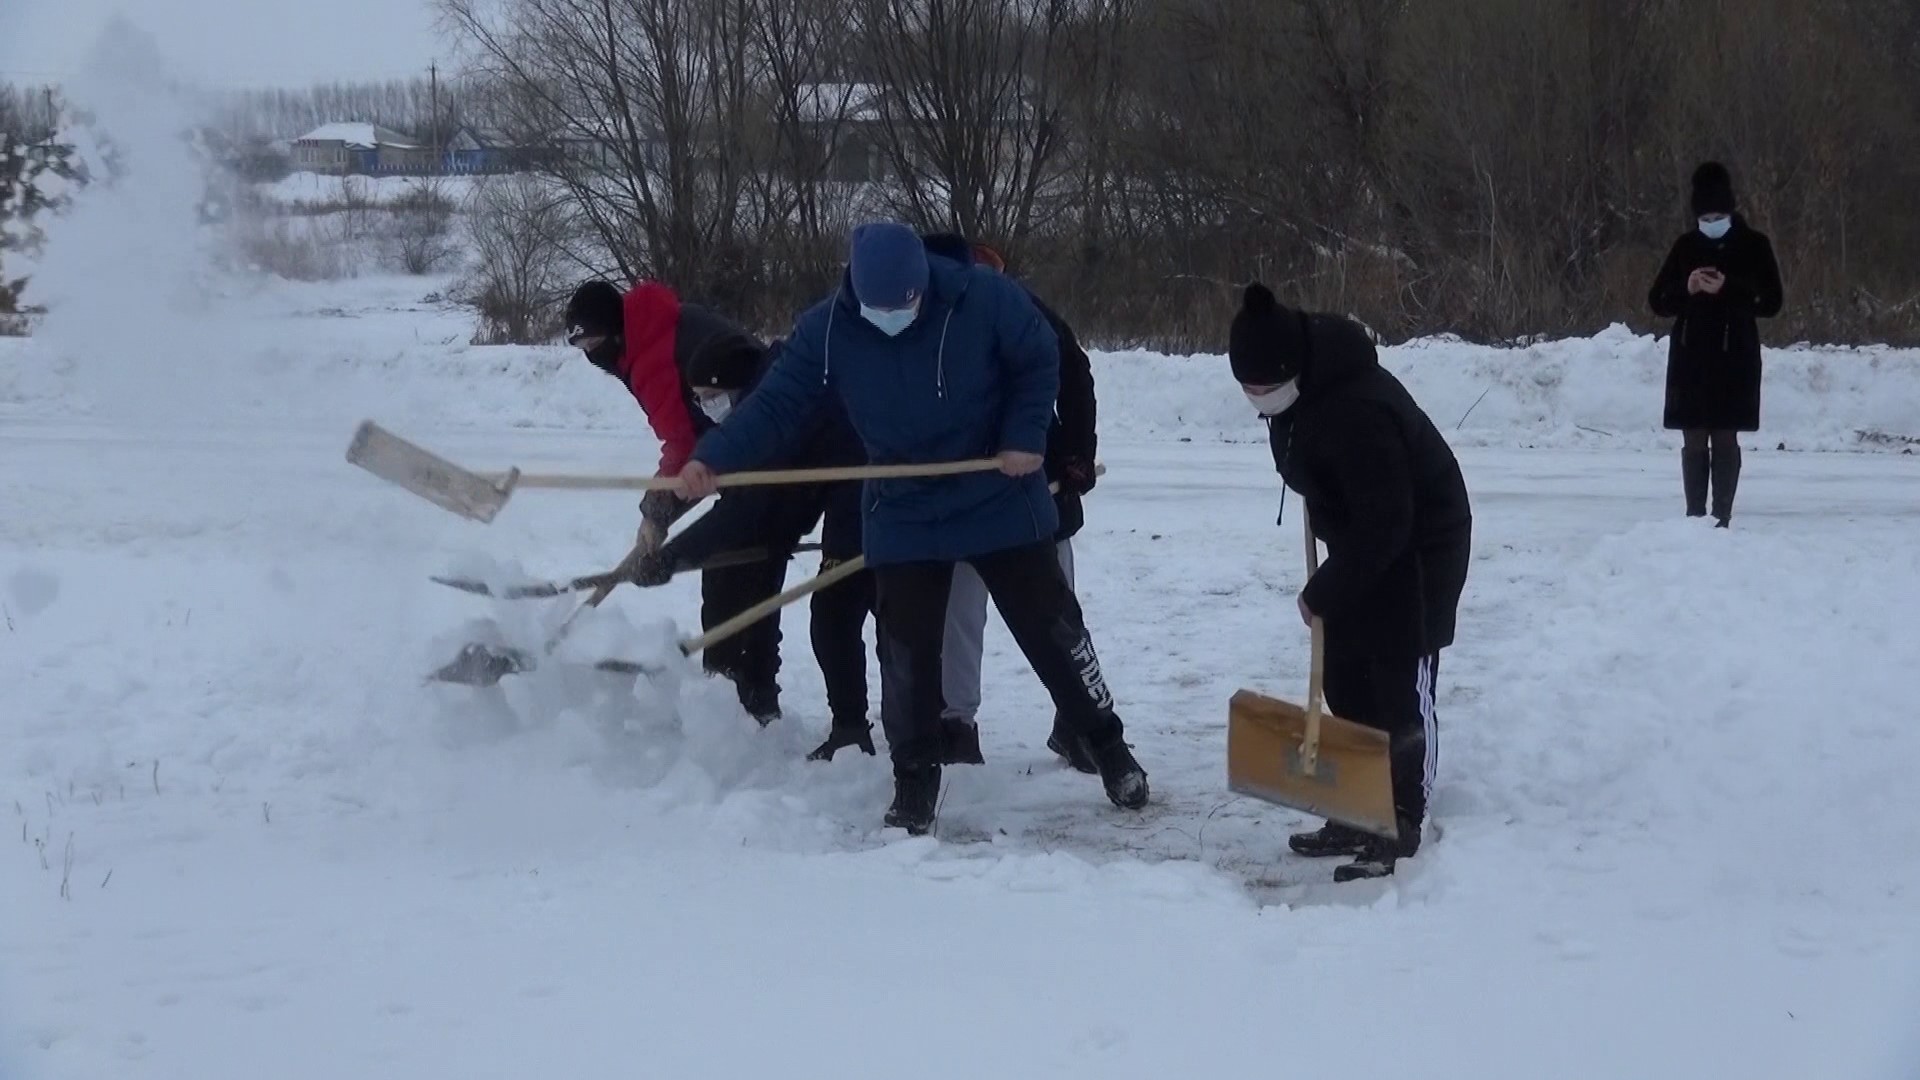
x: 1680, y: 837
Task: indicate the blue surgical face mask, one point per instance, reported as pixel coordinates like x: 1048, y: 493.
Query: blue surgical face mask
x: 891, y: 323
x: 1714, y: 230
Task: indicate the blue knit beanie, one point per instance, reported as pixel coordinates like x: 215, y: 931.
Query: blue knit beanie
x: 889, y: 265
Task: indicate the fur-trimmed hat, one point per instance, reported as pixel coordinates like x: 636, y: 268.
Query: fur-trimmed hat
x: 1268, y: 340
x: 1712, y: 190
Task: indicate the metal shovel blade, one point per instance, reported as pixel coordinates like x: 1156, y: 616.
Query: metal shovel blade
x: 472, y: 495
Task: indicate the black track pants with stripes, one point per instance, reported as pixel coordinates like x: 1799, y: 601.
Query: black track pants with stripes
x: 1031, y: 593
x: 1394, y: 694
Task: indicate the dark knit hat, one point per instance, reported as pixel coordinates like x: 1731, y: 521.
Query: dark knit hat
x: 1712, y: 190
x: 594, y: 311
x: 725, y: 364
x: 888, y: 263
x: 1268, y: 340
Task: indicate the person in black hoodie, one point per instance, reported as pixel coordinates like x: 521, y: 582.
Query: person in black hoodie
x: 648, y: 339
x: 1719, y: 279
x: 774, y: 518
x: 1384, y: 493
x: 1072, y: 442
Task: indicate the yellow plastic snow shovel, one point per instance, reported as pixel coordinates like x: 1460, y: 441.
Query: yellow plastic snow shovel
x: 1310, y: 759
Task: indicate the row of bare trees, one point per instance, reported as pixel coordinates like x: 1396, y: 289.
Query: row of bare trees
x: 1490, y: 168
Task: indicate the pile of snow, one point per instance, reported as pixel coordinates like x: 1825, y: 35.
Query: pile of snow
x: 1600, y: 392
x: 311, y: 189
x: 324, y: 353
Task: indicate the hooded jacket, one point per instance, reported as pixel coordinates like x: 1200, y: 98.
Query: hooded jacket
x: 1383, y: 491
x: 976, y: 373
x: 662, y: 337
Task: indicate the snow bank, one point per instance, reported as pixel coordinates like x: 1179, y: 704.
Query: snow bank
x: 320, y: 189
x: 1604, y: 391
x: 392, y: 347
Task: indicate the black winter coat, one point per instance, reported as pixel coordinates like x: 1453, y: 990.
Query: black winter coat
x: 1383, y: 491
x: 768, y: 515
x: 1072, y: 436
x: 1713, y: 355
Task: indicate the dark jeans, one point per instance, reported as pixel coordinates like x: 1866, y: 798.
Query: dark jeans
x: 1031, y: 593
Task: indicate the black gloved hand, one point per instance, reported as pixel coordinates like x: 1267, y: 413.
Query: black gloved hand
x: 651, y: 568
x: 661, y: 509
x: 1076, y: 476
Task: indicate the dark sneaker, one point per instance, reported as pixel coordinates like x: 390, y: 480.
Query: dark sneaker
x: 960, y: 743
x: 1124, y: 779
x: 841, y: 736
x: 916, y: 794
x: 1329, y: 840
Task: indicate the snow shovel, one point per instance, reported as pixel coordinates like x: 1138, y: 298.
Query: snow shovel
x: 1308, y: 758
x: 480, y: 496
x: 478, y: 665
x: 542, y: 590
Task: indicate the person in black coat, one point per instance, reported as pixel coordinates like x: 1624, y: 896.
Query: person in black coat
x: 1385, y: 494
x: 1719, y: 279
x: 773, y: 519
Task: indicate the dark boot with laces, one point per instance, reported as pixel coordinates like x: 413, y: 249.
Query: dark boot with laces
x: 916, y: 795
x: 1381, y: 854
x: 1328, y: 841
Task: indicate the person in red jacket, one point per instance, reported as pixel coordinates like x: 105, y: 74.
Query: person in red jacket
x: 648, y: 339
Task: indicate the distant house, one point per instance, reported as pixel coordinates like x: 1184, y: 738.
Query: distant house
x: 845, y: 125
x: 359, y: 148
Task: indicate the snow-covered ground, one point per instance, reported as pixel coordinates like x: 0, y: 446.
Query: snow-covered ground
x: 1681, y: 834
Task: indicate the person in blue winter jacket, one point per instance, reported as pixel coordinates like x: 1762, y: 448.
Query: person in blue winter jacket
x: 937, y: 361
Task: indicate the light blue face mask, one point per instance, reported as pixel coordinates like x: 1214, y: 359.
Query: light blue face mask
x: 1714, y: 230
x: 891, y: 323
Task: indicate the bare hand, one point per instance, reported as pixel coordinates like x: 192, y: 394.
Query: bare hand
x: 1020, y: 463
x: 1713, y: 282
x: 697, y: 481
x: 1697, y: 281
x: 1306, y: 613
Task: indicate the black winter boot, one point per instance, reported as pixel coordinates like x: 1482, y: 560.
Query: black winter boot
x: 1071, y: 747
x: 1694, y: 465
x: 842, y: 735
x: 1381, y: 854
x: 762, y: 701
x: 960, y: 742
x: 916, y: 795
x: 1120, y: 774
x: 1329, y: 840
x: 1726, y: 478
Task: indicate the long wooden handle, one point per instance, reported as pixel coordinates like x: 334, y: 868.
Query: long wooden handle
x: 1316, y: 673
x: 772, y: 604
x: 743, y: 479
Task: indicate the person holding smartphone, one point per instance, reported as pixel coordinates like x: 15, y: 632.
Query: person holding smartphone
x: 1718, y: 281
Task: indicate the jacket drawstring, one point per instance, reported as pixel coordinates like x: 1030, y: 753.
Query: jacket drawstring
x: 826, y: 350
x: 1726, y: 337
x: 940, y: 367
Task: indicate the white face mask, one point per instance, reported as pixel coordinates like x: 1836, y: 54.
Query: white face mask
x: 1277, y: 400
x: 1714, y: 230
x: 717, y: 407
x: 891, y: 323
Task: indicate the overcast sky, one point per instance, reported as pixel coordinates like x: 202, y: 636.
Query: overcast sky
x: 231, y: 43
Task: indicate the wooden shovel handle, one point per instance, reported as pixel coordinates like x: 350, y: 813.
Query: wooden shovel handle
x: 744, y: 479
x: 772, y: 604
